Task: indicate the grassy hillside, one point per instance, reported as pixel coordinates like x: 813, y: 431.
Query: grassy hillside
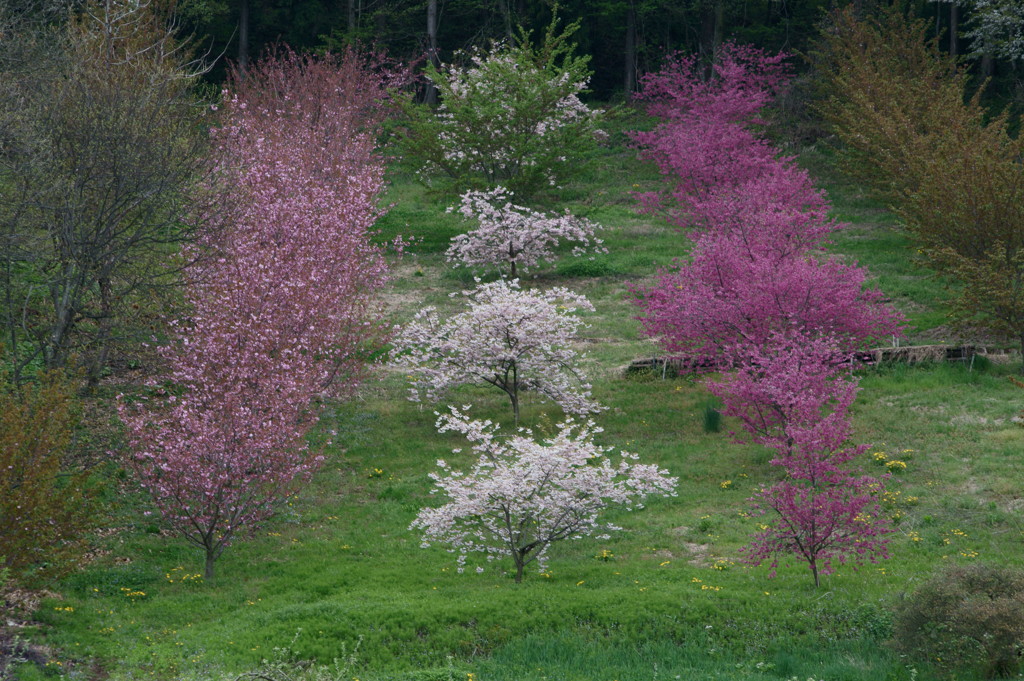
x: 339, y: 567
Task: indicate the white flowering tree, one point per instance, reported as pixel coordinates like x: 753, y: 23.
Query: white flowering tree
x: 516, y: 236
x: 509, y: 116
x: 522, y: 495
x: 512, y: 339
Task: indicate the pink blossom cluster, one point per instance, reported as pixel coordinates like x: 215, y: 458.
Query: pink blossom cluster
x: 759, y: 295
x: 516, y: 340
x: 522, y: 495
x: 281, y: 305
x: 516, y: 236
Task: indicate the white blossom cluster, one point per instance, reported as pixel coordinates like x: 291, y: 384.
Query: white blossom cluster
x: 514, y: 235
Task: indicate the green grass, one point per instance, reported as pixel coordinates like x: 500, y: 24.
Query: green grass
x: 675, y: 601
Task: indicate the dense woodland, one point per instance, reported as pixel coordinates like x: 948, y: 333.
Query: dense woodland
x: 624, y: 38
x: 495, y: 339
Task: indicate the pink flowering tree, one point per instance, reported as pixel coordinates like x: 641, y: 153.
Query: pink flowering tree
x: 731, y: 294
x: 523, y: 495
x: 828, y: 519
x: 281, y: 304
x: 792, y: 383
x: 512, y: 339
x: 793, y: 395
x: 703, y: 142
x: 516, y: 236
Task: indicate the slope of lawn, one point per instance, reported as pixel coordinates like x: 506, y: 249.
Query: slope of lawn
x: 667, y: 598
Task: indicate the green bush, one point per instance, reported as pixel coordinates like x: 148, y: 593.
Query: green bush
x: 44, y: 508
x: 965, y: 618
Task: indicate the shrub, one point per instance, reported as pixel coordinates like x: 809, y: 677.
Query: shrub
x: 511, y: 117
x: 965, y: 618
x: 43, y: 511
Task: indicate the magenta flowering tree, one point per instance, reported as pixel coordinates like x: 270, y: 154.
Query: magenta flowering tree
x: 515, y: 236
x: 734, y: 293
x: 793, y: 394
x: 760, y: 296
x: 703, y: 142
x: 830, y: 518
x: 791, y: 387
x: 280, y: 302
x: 516, y: 340
x: 523, y: 495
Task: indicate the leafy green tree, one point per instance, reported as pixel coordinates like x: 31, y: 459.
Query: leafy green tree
x: 511, y: 116
x: 950, y: 169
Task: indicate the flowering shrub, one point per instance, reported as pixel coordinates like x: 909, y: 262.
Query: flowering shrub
x: 523, y: 495
x: 280, y: 305
x: 515, y: 235
x: 511, y: 116
x: 512, y: 339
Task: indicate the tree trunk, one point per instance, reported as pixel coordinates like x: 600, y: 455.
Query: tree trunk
x: 629, y: 63
x: 1022, y: 353
x: 243, y: 37
x: 716, y: 39
x: 351, y: 18
x: 953, y: 16
x: 430, y: 96
x: 210, y: 557
x: 987, y: 62
x: 104, y: 334
x: 814, y: 570
x: 506, y: 16
x: 707, y: 36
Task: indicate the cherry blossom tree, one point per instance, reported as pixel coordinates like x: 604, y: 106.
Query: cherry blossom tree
x: 280, y: 304
x: 515, y: 235
x: 523, y: 495
x: 512, y: 339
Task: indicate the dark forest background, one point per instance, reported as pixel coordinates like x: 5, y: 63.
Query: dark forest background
x: 625, y: 38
